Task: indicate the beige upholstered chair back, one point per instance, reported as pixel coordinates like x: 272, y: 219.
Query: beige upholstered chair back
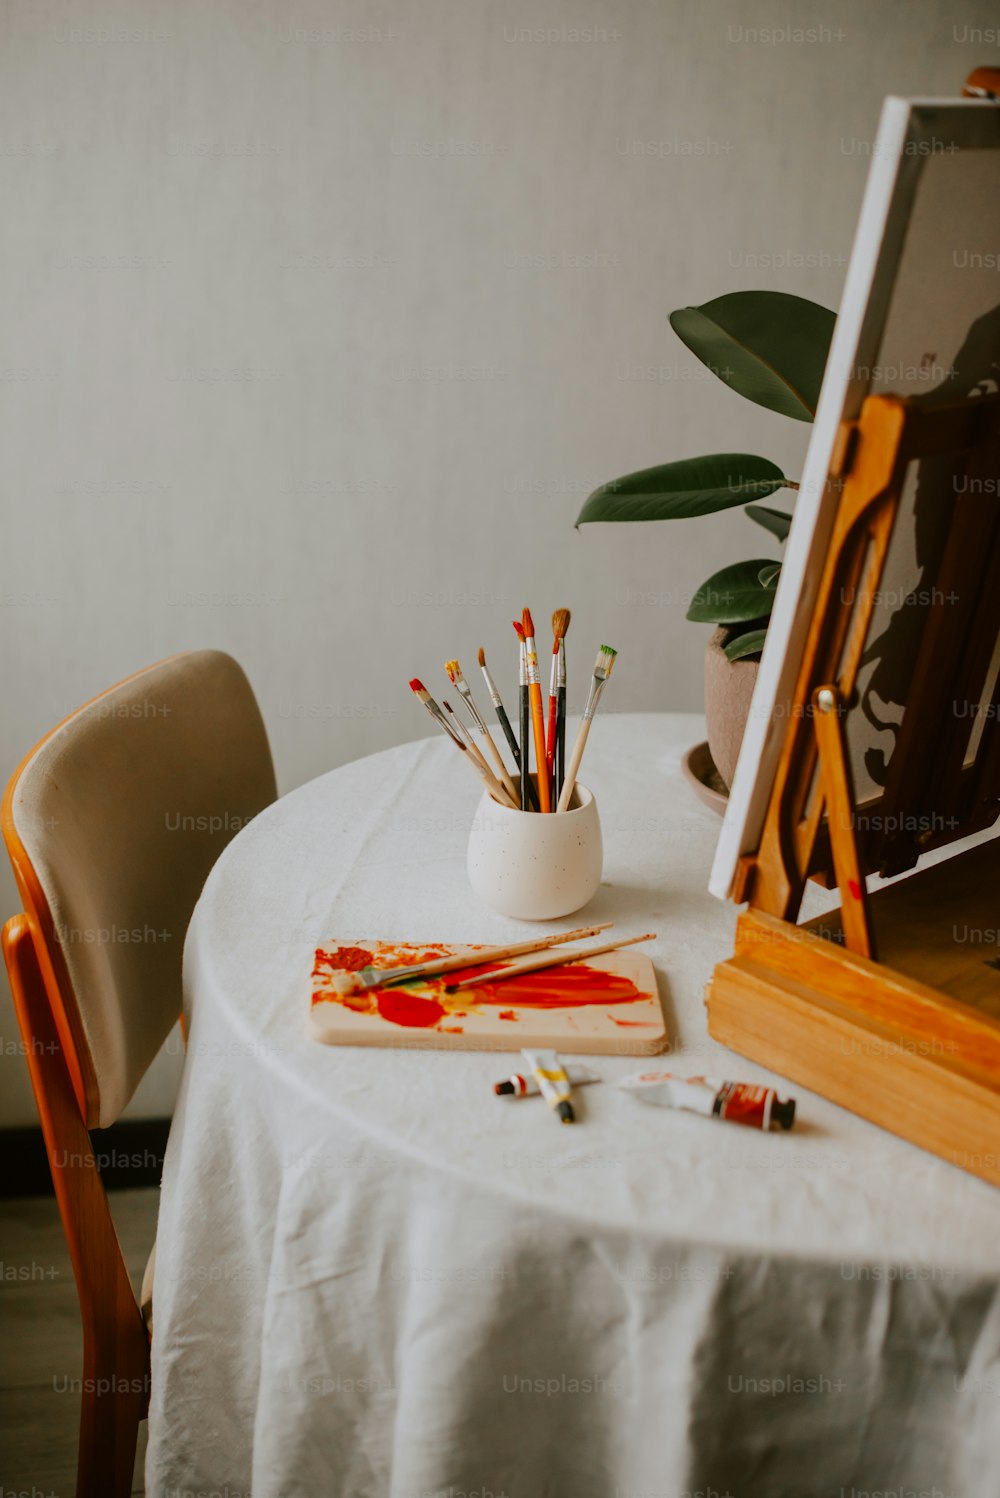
x: 113, y: 823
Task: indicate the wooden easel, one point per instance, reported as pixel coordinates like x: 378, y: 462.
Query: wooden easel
x: 883, y: 1007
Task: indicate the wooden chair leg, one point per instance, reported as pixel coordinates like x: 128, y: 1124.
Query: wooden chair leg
x: 115, y: 1342
x: 112, y: 1404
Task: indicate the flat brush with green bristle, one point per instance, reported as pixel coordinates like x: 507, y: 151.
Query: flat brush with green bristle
x: 602, y: 670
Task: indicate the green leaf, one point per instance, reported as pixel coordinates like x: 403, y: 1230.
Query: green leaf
x: 690, y: 487
x: 752, y: 643
x: 733, y: 596
x: 768, y: 576
x: 778, y: 522
x: 766, y: 345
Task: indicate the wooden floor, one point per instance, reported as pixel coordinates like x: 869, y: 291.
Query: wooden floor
x: 41, y: 1344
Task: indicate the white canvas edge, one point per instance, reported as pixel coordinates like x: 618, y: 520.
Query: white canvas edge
x: 885, y: 210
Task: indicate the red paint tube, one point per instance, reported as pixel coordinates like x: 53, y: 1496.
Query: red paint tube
x: 739, y: 1102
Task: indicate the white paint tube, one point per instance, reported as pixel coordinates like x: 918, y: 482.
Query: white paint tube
x: 739, y: 1102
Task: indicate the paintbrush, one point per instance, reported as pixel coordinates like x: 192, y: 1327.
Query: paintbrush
x: 537, y: 714
x: 499, y: 708
x: 560, y: 624
x: 542, y: 962
x: 531, y: 802
x: 419, y: 690
x: 561, y: 712
x: 458, y: 681
x: 367, y: 978
x: 497, y: 790
x: 602, y: 670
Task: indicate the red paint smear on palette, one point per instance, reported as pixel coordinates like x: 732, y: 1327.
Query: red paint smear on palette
x: 403, y: 1008
x: 567, y: 987
x: 575, y: 986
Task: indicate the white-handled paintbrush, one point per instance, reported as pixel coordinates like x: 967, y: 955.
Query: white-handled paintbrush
x: 518, y: 968
x: 498, y: 791
x: 367, y: 978
x: 602, y: 670
x: 499, y: 708
x: 460, y: 684
x: 421, y: 693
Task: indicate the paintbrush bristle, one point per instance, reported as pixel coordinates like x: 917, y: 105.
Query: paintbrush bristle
x: 605, y: 660
x: 527, y: 624
x: 453, y: 669
x: 416, y: 685
x: 519, y: 630
x: 560, y: 623
x: 482, y: 657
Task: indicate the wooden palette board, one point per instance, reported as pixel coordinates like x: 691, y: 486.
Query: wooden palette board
x: 609, y: 1006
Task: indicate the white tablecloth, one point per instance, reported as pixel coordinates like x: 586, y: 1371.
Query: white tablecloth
x: 375, y: 1278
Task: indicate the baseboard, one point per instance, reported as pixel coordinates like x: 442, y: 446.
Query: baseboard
x: 129, y: 1154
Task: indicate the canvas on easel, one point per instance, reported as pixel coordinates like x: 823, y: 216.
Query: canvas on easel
x: 920, y: 317
x: 873, y: 738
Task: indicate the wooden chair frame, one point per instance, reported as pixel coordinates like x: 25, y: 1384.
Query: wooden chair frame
x: 116, y: 1363
x: 115, y: 1390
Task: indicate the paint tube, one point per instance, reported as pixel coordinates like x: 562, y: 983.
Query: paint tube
x: 550, y: 1074
x: 739, y: 1102
x: 518, y: 1085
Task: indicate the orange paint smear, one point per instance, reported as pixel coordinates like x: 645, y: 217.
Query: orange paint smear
x: 344, y: 959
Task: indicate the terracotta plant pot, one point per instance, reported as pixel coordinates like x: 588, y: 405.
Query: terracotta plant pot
x: 728, y: 689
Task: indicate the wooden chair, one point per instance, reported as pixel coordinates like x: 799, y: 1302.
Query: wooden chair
x: 113, y: 823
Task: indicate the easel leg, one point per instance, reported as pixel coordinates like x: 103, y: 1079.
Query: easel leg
x: 835, y: 784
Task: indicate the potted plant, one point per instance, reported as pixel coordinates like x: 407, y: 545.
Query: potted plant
x: 771, y: 348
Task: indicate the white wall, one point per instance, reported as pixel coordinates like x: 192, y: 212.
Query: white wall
x: 224, y: 253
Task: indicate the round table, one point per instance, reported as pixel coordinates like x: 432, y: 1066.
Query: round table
x: 374, y: 1277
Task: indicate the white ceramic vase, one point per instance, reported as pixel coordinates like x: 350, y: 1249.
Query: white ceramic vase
x: 533, y: 867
